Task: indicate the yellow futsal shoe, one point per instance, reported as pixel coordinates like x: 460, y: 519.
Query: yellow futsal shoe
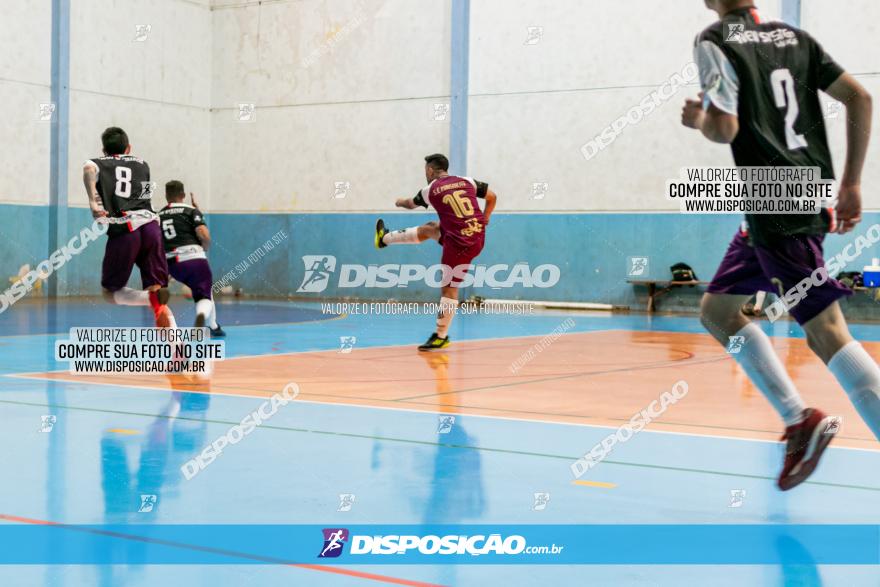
x: 380, y: 232
x: 435, y: 343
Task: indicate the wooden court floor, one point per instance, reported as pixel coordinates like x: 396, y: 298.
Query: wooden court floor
x: 598, y: 378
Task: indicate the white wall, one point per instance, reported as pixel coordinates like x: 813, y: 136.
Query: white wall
x: 158, y: 89
x: 534, y: 105
x: 847, y: 31
x: 25, y: 77
x: 344, y: 92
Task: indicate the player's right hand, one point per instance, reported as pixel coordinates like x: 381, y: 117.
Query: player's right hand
x: 692, y: 114
x: 848, y: 208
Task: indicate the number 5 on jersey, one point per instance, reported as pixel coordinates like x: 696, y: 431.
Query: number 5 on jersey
x: 168, y: 229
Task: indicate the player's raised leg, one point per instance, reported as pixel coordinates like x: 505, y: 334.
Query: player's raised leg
x: 405, y: 236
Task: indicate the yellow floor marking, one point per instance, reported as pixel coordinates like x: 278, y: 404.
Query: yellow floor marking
x: 595, y: 484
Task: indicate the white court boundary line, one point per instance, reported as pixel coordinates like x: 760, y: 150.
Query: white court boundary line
x: 34, y: 376
x: 426, y: 411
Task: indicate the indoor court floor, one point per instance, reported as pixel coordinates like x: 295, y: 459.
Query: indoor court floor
x: 372, y: 421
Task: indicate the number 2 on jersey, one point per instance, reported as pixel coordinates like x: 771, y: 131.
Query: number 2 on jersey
x: 459, y: 203
x: 785, y: 97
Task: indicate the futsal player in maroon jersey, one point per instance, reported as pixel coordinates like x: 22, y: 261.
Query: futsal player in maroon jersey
x: 461, y: 232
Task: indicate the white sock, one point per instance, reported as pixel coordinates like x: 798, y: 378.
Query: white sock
x: 859, y: 376
x: 445, y: 316
x: 406, y: 236
x: 760, y: 362
x: 205, y: 308
x: 212, y: 319
x: 131, y: 297
x: 172, y: 323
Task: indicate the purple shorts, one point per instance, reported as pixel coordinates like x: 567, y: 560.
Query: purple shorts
x: 195, y: 274
x: 143, y: 248
x: 747, y: 269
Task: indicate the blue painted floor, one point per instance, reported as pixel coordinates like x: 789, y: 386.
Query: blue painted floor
x: 110, y: 445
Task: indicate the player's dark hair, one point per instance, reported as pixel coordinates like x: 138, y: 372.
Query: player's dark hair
x: 174, y: 189
x: 438, y: 161
x: 115, y: 141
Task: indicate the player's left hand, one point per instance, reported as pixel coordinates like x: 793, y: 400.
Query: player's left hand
x: 692, y: 114
x: 192, y: 198
x: 848, y: 208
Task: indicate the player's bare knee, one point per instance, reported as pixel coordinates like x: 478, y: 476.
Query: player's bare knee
x: 815, y: 345
x: 826, y: 344
x: 721, y: 318
x: 431, y: 230
x: 108, y: 296
x: 709, y: 314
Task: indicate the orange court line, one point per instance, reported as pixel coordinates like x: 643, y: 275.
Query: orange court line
x: 325, y: 569
x: 597, y: 378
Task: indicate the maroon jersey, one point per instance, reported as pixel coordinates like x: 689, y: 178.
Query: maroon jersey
x: 455, y: 199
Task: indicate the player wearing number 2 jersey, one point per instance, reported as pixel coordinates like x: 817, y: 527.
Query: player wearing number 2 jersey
x: 761, y: 82
x: 461, y: 232
x: 119, y: 190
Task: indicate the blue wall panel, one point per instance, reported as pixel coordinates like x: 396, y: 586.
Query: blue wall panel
x: 591, y: 250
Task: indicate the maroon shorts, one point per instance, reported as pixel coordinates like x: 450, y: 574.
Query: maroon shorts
x: 747, y: 269
x: 143, y: 248
x: 456, y: 254
x: 195, y: 274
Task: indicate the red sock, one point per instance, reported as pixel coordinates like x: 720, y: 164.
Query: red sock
x: 154, y: 302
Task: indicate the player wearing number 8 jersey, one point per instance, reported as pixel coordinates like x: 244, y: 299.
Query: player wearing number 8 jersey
x: 761, y: 82
x: 461, y: 232
x: 119, y: 190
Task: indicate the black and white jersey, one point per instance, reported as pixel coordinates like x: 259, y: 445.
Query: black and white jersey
x: 179, y: 222
x: 769, y: 75
x: 123, y: 184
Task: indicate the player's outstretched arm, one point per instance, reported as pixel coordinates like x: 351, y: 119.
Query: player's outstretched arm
x: 858, y: 104
x: 491, y: 198
x: 408, y: 203
x: 90, y: 181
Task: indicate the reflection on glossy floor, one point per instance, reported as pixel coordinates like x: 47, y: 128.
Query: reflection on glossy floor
x: 519, y: 423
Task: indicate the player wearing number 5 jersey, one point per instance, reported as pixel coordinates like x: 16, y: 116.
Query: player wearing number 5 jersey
x: 461, y: 232
x: 119, y: 190
x: 187, y: 239
x: 761, y: 82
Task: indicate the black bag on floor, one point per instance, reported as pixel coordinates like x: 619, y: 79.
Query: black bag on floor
x: 683, y: 272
